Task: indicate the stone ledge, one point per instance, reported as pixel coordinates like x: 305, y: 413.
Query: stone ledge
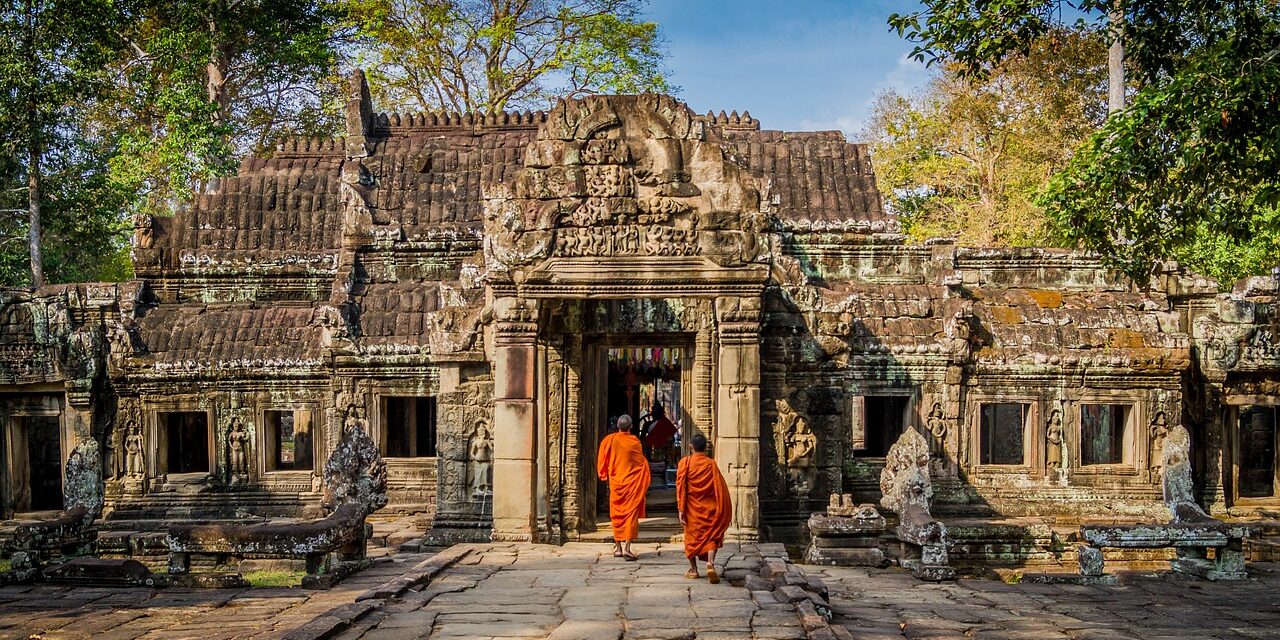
x: 417, y: 576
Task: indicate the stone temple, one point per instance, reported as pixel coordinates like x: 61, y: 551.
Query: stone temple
x: 486, y: 292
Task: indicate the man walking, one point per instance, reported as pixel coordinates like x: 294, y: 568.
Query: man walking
x: 621, y: 461
x: 702, y: 498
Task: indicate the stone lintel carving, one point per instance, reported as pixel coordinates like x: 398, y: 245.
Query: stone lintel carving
x: 907, y: 490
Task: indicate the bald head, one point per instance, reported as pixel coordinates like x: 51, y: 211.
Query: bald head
x: 699, y: 443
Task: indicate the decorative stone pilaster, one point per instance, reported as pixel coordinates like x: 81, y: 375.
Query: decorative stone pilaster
x: 737, y: 445
x: 514, y: 415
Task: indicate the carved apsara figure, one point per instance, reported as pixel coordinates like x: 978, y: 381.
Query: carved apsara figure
x: 1053, y: 437
x: 480, y: 459
x: 800, y: 446
x: 354, y: 419
x: 238, y: 458
x: 1159, y: 431
x: 133, y: 455
x: 936, y: 423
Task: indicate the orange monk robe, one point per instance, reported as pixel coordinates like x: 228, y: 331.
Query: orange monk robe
x: 703, y: 497
x: 622, y: 463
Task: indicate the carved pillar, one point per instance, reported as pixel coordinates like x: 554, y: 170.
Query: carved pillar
x: 737, y: 446
x: 514, y: 419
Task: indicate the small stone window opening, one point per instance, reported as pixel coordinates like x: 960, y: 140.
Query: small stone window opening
x: 1257, y: 472
x: 410, y: 427
x: 1002, y: 431
x: 186, y: 441
x: 877, y: 423
x: 1104, y: 434
x: 289, y: 440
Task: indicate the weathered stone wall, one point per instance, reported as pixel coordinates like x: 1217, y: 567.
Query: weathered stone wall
x: 486, y: 261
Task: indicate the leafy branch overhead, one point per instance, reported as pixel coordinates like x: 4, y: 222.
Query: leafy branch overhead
x: 1190, y: 169
x: 495, y: 55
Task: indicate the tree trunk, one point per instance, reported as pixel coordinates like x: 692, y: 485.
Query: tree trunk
x: 34, y: 153
x: 34, y: 231
x: 1115, y: 59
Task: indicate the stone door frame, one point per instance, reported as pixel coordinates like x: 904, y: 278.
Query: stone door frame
x: 520, y: 385
x: 592, y: 415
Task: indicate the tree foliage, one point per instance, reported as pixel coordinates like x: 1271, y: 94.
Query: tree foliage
x: 1191, y: 168
x: 52, y: 54
x: 493, y: 55
x: 965, y: 156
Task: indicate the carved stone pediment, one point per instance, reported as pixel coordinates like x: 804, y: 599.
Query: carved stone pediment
x: 623, y: 177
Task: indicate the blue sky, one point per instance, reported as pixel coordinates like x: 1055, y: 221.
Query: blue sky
x: 797, y: 65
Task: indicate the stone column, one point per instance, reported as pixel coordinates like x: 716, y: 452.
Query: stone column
x: 514, y: 415
x: 737, y: 446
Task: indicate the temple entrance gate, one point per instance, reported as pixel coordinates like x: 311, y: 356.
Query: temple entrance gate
x: 625, y: 224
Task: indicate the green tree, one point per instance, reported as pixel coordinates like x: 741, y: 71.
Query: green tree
x: 205, y: 82
x: 52, y: 55
x: 965, y: 156
x: 1190, y: 169
x: 493, y: 55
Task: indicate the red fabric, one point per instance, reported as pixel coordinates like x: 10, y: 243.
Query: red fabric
x: 660, y: 432
x: 621, y: 462
x: 703, y: 497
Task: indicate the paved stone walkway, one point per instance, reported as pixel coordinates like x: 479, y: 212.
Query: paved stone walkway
x: 47, y: 612
x: 877, y: 604
x: 579, y: 591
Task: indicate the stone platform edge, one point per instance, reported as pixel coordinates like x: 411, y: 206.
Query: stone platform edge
x: 333, y: 621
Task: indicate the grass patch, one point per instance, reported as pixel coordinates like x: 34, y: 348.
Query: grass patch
x: 274, y: 578
x: 5, y: 565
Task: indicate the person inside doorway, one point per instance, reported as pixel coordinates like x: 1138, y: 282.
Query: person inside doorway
x: 621, y: 462
x: 657, y: 430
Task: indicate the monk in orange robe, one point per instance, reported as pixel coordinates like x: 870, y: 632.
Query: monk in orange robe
x: 702, y: 498
x: 621, y: 461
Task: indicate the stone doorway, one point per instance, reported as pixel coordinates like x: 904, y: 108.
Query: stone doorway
x: 631, y: 373
x: 33, y: 469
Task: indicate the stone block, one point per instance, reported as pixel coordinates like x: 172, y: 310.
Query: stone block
x: 846, y: 557
x: 513, y: 372
x: 738, y: 411
x: 513, y: 432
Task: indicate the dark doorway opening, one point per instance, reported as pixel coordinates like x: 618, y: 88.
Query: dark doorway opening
x: 644, y: 383
x: 187, y: 437
x: 44, y: 462
x: 410, y: 427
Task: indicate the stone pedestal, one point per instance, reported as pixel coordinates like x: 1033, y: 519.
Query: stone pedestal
x: 847, y: 539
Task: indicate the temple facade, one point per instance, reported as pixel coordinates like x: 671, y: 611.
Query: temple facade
x: 486, y: 292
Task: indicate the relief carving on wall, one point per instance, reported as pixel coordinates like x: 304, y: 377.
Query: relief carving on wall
x: 480, y: 461
x: 1159, y: 431
x: 798, y: 448
x: 1053, y: 442
x: 238, y: 452
x: 624, y: 176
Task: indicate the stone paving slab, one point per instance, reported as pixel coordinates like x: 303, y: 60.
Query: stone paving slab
x: 580, y: 592
x: 874, y: 604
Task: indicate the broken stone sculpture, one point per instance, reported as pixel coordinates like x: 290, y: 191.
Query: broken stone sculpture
x: 1205, y: 546
x: 906, y: 491
x: 847, y: 535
